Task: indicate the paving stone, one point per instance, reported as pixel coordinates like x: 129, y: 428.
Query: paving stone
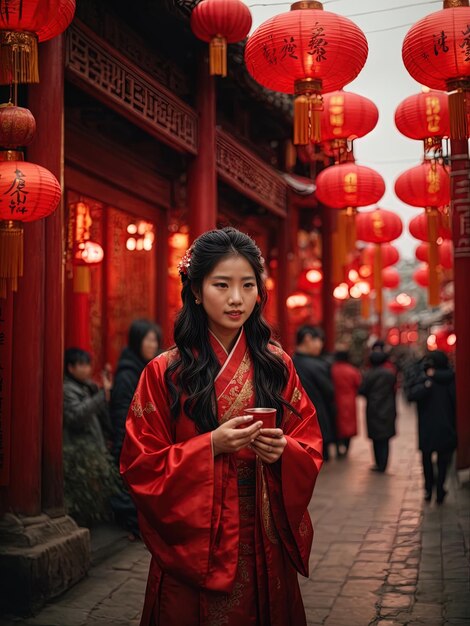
x: 395, y: 601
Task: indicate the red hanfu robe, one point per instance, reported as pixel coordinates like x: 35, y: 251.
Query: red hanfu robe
x: 227, y: 534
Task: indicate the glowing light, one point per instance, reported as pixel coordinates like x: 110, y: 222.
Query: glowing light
x: 355, y: 292
x: 140, y: 244
x: 365, y: 271
x: 341, y: 292
x: 404, y: 299
x: 131, y: 244
x: 269, y: 284
x: 451, y: 339
x: 296, y: 301
x: 432, y: 342
x: 132, y: 229
x: 91, y: 252
x: 412, y: 336
x: 353, y: 275
x: 179, y: 240
x: 147, y: 244
x: 314, y: 276
x: 364, y: 287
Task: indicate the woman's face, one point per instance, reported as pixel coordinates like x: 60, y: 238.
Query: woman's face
x: 149, y: 346
x: 229, y: 295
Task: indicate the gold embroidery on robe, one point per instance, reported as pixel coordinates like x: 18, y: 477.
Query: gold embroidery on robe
x: 268, y: 521
x: 137, y: 408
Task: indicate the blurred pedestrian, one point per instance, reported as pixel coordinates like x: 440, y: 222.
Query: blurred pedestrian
x: 434, y: 393
x: 378, y: 387
x: 315, y: 375
x: 144, y: 341
x: 89, y: 473
x: 346, y: 381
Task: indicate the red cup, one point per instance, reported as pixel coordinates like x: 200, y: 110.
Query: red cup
x: 265, y: 415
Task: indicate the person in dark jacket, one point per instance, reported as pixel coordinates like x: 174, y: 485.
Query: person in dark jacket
x: 315, y: 376
x: 89, y: 474
x: 434, y: 392
x: 144, y: 340
x: 378, y: 386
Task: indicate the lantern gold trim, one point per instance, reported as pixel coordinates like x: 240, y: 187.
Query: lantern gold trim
x: 18, y: 57
x: 453, y: 4
x: 308, y: 104
x: 11, y: 155
x: 307, y: 4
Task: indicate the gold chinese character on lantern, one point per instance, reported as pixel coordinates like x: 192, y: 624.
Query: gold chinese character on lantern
x: 433, y: 181
x: 336, y: 110
x: 350, y: 183
x: 433, y: 118
x: 377, y: 224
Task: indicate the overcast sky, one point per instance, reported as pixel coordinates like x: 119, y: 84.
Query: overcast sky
x: 384, y: 80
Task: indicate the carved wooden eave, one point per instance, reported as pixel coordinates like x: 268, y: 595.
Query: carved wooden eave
x: 249, y: 175
x: 97, y: 68
x: 101, y: 71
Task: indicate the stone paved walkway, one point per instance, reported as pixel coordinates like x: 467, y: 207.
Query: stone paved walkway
x: 380, y: 557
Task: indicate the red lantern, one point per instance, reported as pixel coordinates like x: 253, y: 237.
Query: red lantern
x: 444, y: 339
x: 425, y: 117
x: 426, y: 185
x: 379, y: 226
x: 17, y: 126
x: 306, y: 52
x: 310, y: 279
x: 22, y: 24
x: 349, y: 185
x: 421, y: 275
x: 390, y: 255
x: 403, y: 302
x: 28, y: 192
x: 390, y: 278
x: 436, y: 52
x: 90, y: 252
x: 346, y: 116
x: 446, y: 254
x: 220, y: 22
x: 418, y: 228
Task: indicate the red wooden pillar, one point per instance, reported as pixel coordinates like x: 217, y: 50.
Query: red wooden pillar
x: 46, y: 100
x: 328, y: 279
x: 202, y: 173
x: 460, y: 194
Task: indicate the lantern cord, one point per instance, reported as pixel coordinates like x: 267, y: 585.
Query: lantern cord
x: 433, y: 289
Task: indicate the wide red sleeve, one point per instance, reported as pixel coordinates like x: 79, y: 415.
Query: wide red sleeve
x: 291, y: 485
x: 171, y: 483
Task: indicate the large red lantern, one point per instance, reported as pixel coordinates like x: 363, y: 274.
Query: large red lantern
x: 306, y: 52
x: 390, y: 255
x: 418, y: 228
x: 349, y: 185
x: 445, y: 250
x: 390, y: 278
x: 220, y: 22
x: 378, y: 227
x: 346, y: 116
x: 436, y: 52
x: 22, y: 24
x: 28, y: 192
x: 421, y: 275
x: 427, y: 185
x: 424, y: 116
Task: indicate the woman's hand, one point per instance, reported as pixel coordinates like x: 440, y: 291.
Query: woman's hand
x: 269, y: 445
x: 229, y: 437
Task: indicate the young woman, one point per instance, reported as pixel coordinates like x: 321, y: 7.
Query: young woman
x: 222, y: 501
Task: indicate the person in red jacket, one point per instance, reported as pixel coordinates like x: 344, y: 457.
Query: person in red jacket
x: 346, y: 380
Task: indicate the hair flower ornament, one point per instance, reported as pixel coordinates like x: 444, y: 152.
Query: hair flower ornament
x: 184, y: 264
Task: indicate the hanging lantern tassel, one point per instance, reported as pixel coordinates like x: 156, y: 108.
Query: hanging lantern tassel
x: 308, y: 105
x: 350, y: 229
x: 81, y: 279
x: 218, y: 56
x: 378, y: 278
x: 365, y: 307
x: 433, y: 289
x: 11, y: 255
x: 458, y: 110
x: 18, y: 57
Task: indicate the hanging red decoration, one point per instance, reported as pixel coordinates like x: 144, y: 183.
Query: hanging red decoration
x: 306, y: 52
x: 390, y: 278
x: 424, y: 116
x: 444, y: 339
x: 401, y: 303
x: 418, y: 228
x: 425, y: 185
x: 17, y: 126
x: 421, y: 275
x: 28, y: 192
x: 436, y: 52
x: 346, y: 116
x: 22, y: 24
x: 390, y: 255
x: 220, y: 22
x: 445, y: 251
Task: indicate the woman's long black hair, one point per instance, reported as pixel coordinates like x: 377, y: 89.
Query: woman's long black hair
x: 194, y: 371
